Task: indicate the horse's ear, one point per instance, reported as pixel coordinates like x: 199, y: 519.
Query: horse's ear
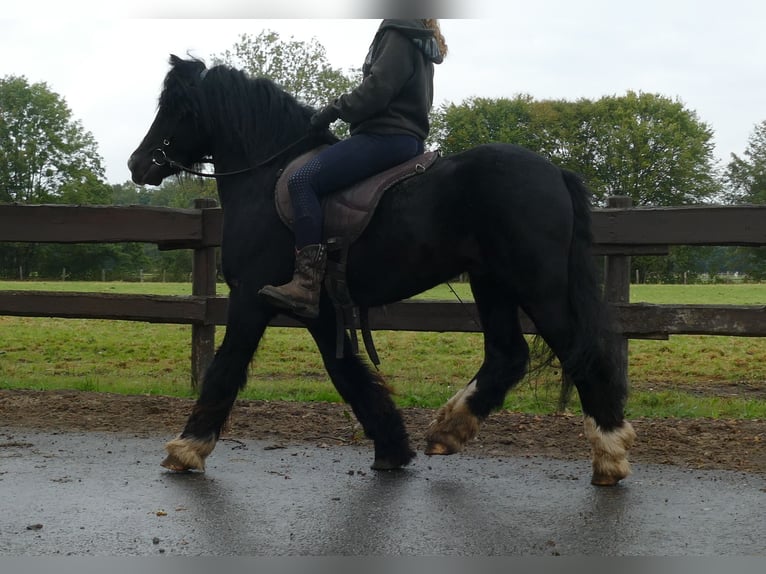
x: 174, y: 60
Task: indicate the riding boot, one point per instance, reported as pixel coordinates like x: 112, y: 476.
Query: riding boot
x: 301, y: 295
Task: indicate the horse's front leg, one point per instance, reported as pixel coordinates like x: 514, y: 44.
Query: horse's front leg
x: 226, y: 376
x: 506, y: 357
x: 366, y: 394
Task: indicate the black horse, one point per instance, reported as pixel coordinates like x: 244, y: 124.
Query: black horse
x: 515, y: 223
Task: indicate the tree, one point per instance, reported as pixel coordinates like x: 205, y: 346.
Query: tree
x: 657, y: 152
x: 650, y: 148
x: 746, y: 182
x: 746, y: 176
x: 481, y: 120
x: 42, y: 149
x: 300, y: 68
x: 129, y: 193
x: 45, y: 157
x: 642, y: 145
x: 182, y: 191
x: 175, y: 264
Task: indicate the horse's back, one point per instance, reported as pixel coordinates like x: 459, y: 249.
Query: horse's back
x: 508, y: 184
x: 509, y: 162
x: 499, y: 185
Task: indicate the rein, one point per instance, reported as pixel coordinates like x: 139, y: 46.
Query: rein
x: 160, y: 158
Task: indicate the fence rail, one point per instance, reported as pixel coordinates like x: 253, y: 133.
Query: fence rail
x: 619, y: 230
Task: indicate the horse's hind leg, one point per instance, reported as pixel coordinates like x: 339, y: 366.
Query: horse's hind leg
x: 225, y: 377
x: 506, y: 357
x: 590, y: 362
x: 366, y: 394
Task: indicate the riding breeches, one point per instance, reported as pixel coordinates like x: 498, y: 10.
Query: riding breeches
x: 337, y: 167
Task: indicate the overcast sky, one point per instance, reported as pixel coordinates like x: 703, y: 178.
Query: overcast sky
x: 108, y: 59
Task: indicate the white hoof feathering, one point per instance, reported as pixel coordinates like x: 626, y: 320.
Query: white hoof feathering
x: 610, y: 449
x: 454, y: 424
x: 187, y: 453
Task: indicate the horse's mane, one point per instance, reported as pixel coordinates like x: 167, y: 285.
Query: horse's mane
x: 256, y: 112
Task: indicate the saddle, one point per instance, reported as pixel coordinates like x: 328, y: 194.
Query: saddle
x: 346, y: 215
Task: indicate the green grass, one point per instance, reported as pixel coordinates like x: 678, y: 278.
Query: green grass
x: 732, y: 294
x: 425, y: 369
x: 122, y: 287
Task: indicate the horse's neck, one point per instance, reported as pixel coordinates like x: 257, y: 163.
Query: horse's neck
x: 254, y: 185
x: 233, y: 156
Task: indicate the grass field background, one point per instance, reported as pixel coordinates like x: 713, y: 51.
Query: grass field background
x: 424, y: 368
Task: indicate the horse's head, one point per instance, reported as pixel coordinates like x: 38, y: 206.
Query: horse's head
x: 176, y: 135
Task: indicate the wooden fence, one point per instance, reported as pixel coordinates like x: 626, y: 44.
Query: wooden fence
x: 619, y: 232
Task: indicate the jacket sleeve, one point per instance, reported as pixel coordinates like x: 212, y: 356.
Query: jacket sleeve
x: 389, y: 72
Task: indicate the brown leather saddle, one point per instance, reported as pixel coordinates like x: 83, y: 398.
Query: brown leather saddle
x: 346, y: 215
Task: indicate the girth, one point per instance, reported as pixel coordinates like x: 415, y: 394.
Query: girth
x: 346, y: 214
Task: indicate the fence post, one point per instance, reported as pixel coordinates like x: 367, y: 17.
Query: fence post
x: 617, y: 277
x: 203, y: 284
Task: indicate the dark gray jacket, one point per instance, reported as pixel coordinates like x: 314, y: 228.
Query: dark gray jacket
x: 396, y: 93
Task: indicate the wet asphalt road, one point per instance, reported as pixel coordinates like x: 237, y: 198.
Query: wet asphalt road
x: 105, y: 494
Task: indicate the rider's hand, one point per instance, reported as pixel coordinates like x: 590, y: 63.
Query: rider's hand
x: 322, y: 119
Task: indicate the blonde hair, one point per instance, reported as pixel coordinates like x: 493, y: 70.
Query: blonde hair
x: 433, y: 24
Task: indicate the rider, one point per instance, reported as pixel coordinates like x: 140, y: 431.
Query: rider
x: 388, y: 117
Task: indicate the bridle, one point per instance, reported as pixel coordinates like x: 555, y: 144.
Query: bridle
x: 160, y: 158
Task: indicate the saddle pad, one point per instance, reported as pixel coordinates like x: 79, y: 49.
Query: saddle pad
x: 347, y: 212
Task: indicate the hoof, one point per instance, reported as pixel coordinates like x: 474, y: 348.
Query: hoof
x: 610, y: 449
x: 173, y: 463
x: 454, y: 425
x: 435, y: 447
x: 392, y: 462
x: 186, y: 454
x: 598, y: 479
x: 385, y: 464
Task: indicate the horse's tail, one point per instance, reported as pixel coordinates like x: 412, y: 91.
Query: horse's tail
x: 595, y: 342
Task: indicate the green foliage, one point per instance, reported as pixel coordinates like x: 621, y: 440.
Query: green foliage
x: 642, y: 145
x: 538, y: 126
x: 481, y: 120
x: 86, y: 189
x: 43, y: 151
x: 746, y: 176
x: 692, y: 264
x: 652, y: 149
x: 130, y: 194
x: 46, y: 157
x: 179, y: 192
x: 746, y: 183
x: 174, y: 192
